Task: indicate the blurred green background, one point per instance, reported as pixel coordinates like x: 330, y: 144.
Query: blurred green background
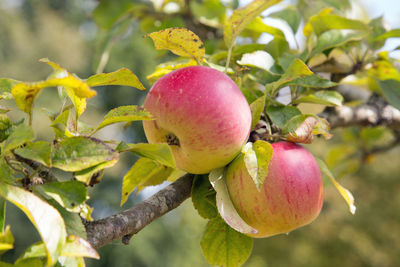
x: 64, y: 32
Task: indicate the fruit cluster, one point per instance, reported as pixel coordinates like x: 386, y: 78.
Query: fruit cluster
x: 202, y: 114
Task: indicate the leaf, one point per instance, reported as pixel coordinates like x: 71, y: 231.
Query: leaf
x: 165, y: 68
x: 120, y: 77
x: 256, y: 158
x: 312, y: 81
x: 328, y: 98
x: 257, y: 108
x: 78, y: 247
x: 325, y: 21
x: 124, y: 114
x: 5, y: 127
x: 25, y: 93
x: 259, y: 59
x: 5, y: 87
x: 297, y: 69
x: 69, y: 194
x: 291, y: 15
x: 39, y: 151
x: 302, y: 128
x: 223, y: 246
x: 335, y: 38
x: 158, y: 152
x: 203, y: 197
x: 45, y: 218
x: 86, y: 176
x: 6, y: 240
x: 208, y: 12
x: 143, y: 170
x: 6, y: 173
x: 73, y: 221
x: 346, y: 194
x: 241, y: 17
x: 78, y: 153
x: 388, y: 34
x: 391, y: 91
x: 224, y: 203
x: 179, y: 41
x: 280, y: 115
x: 19, y: 136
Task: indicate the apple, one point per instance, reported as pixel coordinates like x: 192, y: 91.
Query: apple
x: 290, y: 197
x: 202, y: 114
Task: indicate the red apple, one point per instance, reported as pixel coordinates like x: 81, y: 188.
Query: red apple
x: 201, y: 114
x: 290, y: 197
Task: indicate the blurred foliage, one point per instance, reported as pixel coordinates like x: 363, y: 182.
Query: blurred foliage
x: 65, y: 32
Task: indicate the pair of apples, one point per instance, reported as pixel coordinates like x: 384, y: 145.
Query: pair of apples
x: 204, y: 117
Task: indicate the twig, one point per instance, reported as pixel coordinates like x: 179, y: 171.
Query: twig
x: 131, y: 221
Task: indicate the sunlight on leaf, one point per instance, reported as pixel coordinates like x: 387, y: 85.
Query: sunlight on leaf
x: 158, y: 152
x: 224, y: 203
x: 45, y: 218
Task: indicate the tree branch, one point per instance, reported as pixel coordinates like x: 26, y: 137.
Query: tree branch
x: 133, y: 220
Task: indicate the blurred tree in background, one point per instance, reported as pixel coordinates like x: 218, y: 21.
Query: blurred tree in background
x: 90, y: 37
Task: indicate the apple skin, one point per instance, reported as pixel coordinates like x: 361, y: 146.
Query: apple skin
x: 290, y: 197
x: 202, y: 114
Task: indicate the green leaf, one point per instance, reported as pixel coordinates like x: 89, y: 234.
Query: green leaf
x: 5, y: 87
x: 291, y: 15
x: 107, y: 12
x: 328, y: 98
x: 257, y: 108
x: 6, y: 173
x: 142, y: 171
x: 325, y: 21
x: 79, y: 153
x: 225, y: 206
x: 5, y: 127
x: 297, y: 69
x: 203, y: 197
x: 312, y: 81
x: 39, y: 151
x: 280, y: 115
x: 86, y: 175
x: 256, y: 158
x: 19, y: 136
x: 223, y: 246
x: 391, y: 91
x: 73, y: 221
x: 124, y: 114
x: 6, y: 240
x: 69, y: 194
x: 335, y: 38
x: 346, y: 194
x: 179, y: 41
x: 208, y: 12
x: 388, y: 34
x: 42, y: 215
x: 241, y: 17
x: 158, y: 152
x: 120, y: 77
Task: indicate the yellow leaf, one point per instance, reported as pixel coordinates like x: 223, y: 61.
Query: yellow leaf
x: 179, y: 41
x: 346, y: 194
x: 241, y: 17
x: 163, y: 69
x: 120, y: 77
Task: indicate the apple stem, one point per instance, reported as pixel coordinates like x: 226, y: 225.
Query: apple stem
x: 172, y: 140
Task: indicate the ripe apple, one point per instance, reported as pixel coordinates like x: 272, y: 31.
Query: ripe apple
x: 201, y: 114
x: 290, y: 197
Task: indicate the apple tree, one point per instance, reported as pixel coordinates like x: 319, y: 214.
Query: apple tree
x: 227, y: 105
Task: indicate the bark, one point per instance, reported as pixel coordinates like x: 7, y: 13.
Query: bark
x: 131, y: 221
